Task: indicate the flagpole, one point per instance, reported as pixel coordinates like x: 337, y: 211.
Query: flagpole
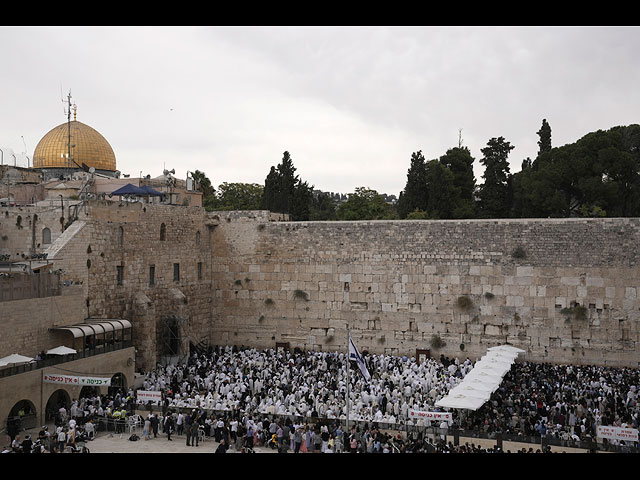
x: 347, y: 399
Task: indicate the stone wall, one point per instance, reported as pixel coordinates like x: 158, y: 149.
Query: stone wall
x: 405, y: 285
x: 21, y: 229
x: 25, y: 324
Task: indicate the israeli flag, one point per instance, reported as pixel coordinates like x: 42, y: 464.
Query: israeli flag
x: 355, y: 355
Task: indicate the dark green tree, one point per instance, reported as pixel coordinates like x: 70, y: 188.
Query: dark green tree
x: 365, y: 204
x: 414, y: 196
x: 460, y: 162
x: 442, y: 192
x: 495, y: 193
x: 284, y: 192
x: 239, y: 196
x: 323, y: 207
x: 544, y: 143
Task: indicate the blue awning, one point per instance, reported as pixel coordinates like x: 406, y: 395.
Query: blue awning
x: 151, y: 191
x: 129, y: 189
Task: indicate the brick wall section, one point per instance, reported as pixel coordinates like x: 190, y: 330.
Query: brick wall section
x: 25, y: 323
x: 399, y: 283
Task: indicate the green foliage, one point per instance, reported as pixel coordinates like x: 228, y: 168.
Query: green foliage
x: 599, y: 175
x: 301, y: 294
x: 437, y: 342
x: 578, y: 312
x: 460, y: 162
x: 495, y: 193
x: 488, y: 295
x: 415, y: 194
x: 203, y: 184
x: 544, y: 133
x: 417, y: 215
x: 519, y: 253
x: 239, y: 196
x: 285, y: 192
x: 365, y: 204
x: 464, y: 302
x: 269, y: 302
x: 323, y: 207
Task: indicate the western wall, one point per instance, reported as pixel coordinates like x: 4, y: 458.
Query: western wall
x: 564, y: 290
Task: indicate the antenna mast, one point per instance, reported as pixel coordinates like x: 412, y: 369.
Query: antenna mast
x: 70, y: 161
x: 67, y: 111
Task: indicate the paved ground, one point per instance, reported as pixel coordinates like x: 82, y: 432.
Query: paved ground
x: 107, y: 442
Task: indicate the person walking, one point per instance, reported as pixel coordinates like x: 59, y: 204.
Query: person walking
x: 146, y: 428
x: 297, y: 440
x: 169, y: 424
x: 154, y: 425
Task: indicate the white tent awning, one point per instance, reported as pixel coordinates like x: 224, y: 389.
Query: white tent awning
x: 14, y: 358
x: 61, y: 350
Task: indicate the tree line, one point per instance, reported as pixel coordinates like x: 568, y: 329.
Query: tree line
x: 598, y: 175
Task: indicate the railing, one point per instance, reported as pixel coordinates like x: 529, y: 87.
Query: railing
x: 58, y: 359
x: 450, y: 434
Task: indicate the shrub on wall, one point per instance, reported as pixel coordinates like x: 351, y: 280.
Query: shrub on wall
x: 464, y: 302
x: 301, y: 294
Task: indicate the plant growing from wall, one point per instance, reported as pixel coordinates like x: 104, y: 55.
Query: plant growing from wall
x: 301, y: 294
x: 269, y: 302
x: 488, y: 295
x: 238, y: 282
x: 437, y: 342
x: 464, y: 302
x: 519, y: 253
x: 576, y: 311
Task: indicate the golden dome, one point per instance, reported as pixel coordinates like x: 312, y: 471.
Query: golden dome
x: 90, y: 148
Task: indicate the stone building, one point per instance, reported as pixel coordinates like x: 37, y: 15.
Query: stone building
x: 564, y: 290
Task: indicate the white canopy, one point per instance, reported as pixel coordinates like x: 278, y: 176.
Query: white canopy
x: 14, y: 358
x: 470, y: 391
x: 485, y: 377
x: 460, y: 401
x: 505, y: 348
x: 61, y: 350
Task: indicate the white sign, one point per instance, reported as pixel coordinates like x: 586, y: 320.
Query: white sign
x: 618, y: 433
x: 95, y: 381
x: 74, y: 380
x: 433, y: 416
x: 145, y: 396
x: 62, y: 379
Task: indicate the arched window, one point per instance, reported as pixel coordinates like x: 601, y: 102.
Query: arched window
x: 198, y: 237
x: 120, y: 236
x: 46, y: 236
x: 163, y: 232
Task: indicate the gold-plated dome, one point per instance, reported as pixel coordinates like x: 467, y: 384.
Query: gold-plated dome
x: 88, y: 147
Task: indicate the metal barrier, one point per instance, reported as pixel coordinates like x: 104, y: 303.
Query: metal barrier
x: 449, y: 434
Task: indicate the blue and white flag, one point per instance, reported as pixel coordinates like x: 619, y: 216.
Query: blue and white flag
x: 355, y: 355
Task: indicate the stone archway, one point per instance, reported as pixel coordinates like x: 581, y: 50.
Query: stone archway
x: 118, y: 384
x: 58, y: 399
x: 22, y: 416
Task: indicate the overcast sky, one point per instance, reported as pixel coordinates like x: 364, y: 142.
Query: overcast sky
x: 350, y: 104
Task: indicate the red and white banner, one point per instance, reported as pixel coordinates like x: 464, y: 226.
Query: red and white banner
x: 433, y: 416
x: 62, y: 379
x: 618, y: 433
x: 145, y: 396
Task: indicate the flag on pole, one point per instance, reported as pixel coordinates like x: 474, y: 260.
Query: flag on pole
x: 355, y: 355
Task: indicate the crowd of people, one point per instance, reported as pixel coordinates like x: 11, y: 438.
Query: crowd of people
x: 295, y: 402
x: 534, y: 400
